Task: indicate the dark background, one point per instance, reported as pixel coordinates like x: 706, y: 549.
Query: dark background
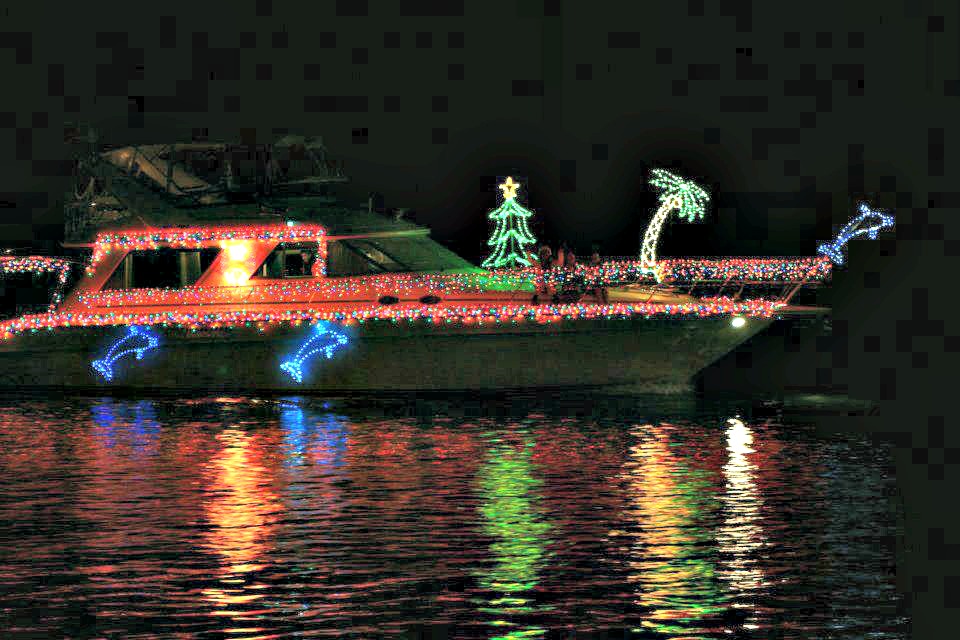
x: 788, y: 113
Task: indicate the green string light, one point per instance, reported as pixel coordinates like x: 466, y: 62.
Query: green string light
x: 511, y: 233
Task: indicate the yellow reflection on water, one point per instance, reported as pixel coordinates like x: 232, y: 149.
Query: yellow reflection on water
x: 243, y: 509
x: 674, y: 578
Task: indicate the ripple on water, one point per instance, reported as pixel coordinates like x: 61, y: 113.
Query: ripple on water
x: 259, y: 518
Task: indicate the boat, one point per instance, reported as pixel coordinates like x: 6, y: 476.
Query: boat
x: 202, y: 275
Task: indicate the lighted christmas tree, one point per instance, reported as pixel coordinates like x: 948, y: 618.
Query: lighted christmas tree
x: 511, y: 233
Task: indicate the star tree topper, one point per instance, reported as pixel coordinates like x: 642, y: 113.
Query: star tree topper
x: 509, y: 188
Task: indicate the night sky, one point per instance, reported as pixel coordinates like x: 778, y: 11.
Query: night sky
x: 786, y: 115
x: 787, y: 112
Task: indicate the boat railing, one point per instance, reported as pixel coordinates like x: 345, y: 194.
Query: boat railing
x: 770, y: 278
x: 780, y: 278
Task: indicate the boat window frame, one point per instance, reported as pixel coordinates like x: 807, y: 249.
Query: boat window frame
x: 254, y: 280
x: 317, y: 248
x: 346, y: 242
x: 132, y: 253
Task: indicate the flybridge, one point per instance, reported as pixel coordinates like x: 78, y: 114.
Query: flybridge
x: 128, y: 184
x: 205, y: 170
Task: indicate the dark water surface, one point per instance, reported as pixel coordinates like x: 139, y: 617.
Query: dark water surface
x: 290, y: 517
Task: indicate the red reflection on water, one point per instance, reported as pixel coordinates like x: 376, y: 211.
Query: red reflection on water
x: 307, y: 522
x: 243, y: 506
x: 36, y: 460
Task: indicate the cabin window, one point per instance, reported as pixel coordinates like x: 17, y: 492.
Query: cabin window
x: 161, y: 268
x: 290, y: 260
x: 25, y: 293
x: 360, y: 257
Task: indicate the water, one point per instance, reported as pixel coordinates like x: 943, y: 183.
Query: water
x: 242, y: 518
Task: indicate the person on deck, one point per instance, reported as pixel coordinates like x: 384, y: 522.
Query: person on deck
x: 572, y: 281
x: 599, y: 290
x: 305, y: 263
x: 544, y: 256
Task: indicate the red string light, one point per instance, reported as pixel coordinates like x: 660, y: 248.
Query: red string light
x: 39, y: 264
x: 435, y: 314
x: 607, y: 274
x: 751, y: 269
x: 196, y: 237
x: 192, y: 299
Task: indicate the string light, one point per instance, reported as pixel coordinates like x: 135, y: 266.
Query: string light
x: 511, y: 233
x: 684, y: 196
x: 867, y: 223
x: 196, y: 237
x: 322, y: 339
x: 39, y: 264
x: 798, y: 269
x: 321, y: 265
x: 104, y: 365
x: 437, y: 315
x: 270, y: 298
x: 607, y: 274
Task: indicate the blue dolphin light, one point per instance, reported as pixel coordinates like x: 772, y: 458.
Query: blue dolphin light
x: 868, y: 223
x: 135, y: 334
x: 322, y: 339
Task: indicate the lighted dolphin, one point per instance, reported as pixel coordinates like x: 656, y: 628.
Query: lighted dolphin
x: 149, y: 340
x: 867, y: 223
x: 322, y: 339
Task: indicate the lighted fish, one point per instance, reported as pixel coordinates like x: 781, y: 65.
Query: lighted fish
x: 868, y: 223
x: 322, y: 339
x: 138, y: 341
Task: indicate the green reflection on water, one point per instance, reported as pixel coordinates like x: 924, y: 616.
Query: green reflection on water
x: 513, y: 517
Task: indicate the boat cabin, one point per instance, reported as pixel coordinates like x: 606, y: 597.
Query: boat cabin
x: 247, y: 252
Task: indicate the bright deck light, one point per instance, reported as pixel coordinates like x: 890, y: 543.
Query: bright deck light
x: 235, y: 277
x: 738, y: 322
x: 237, y: 251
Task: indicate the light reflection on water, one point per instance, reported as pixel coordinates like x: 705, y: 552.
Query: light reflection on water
x: 740, y: 536
x: 670, y: 557
x: 258, y: 518
x: 514, y: 521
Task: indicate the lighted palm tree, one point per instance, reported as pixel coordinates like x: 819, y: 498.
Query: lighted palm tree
x: 686, y: 197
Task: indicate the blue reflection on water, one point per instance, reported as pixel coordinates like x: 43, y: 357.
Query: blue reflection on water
x: 312, y: 437
x: 346, y: 519
x: 133, y: 424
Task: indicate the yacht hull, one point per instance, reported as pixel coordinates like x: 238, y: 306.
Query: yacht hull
x: 651, y: 355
